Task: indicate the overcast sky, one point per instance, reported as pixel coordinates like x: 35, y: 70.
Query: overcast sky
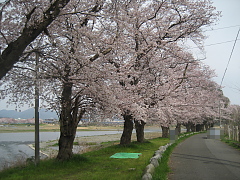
x: 218, y: 48
x: 218, y: 55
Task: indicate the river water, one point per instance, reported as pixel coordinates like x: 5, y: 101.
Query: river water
x: 14, y: 146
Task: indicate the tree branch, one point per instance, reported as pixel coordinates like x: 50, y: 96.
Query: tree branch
x: 15, y: 49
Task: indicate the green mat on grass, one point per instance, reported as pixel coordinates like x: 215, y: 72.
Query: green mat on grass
x: 126, y: 155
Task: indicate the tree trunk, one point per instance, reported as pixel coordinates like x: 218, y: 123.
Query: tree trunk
x: 188, y: 126
x: 67, y: 125
x: 65, y: 147
x: 69, y: 119
x: 193, y: 127
x: 165, y: 132
x: 178, y: 128
x: 68, y: 132
x: 206, y: 126
x: 139, y: 125
x: 198, y: 127
x: 127, y: 130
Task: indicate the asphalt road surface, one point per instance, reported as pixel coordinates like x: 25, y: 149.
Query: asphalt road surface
x: 199, y: 158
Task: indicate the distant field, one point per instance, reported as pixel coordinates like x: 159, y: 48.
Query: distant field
x: 27, y: 128
x: 51, y: 128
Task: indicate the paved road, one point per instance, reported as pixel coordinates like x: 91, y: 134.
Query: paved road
x: 200, y: 158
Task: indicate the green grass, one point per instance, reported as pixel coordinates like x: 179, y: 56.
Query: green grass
x: 109, y: 142
x: 95, y: 165
x: 161, y: 172
x: 230, y: 142
x: 163, y: 169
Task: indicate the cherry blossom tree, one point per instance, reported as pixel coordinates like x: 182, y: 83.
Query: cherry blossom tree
x: 200, y: 96
x: 147, y: 29
x: 177, y: 89
x: 77, y: 71
x: 163, y: 77
x: 72, y: 67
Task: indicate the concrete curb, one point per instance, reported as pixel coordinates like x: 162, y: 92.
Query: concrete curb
x: 154, y: 162
x: 33, y: 148
x: 187, y: 134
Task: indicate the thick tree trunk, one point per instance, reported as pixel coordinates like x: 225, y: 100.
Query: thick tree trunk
x: 67, y: 124
x: 211, y: 124
x: 139, y: 125
x: 178, y: 128
x: 69, y: 119
x: 65, y: 147
x: 206, y: 126
x: 188, y: 126
x: 199, y: 127
x: 193, y: 127
x: 165, y: 132
x: 68, y: 128
x: 127, y: 130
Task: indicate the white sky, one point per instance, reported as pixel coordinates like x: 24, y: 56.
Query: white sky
x: 218, y: 55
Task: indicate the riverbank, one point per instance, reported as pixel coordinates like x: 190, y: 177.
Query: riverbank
x: 14, y: 146
x: 94, y: 164
x: 89, y: 143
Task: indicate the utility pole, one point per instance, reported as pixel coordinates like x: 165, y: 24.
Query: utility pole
x: 220, y: 118
x: 37, y: 154
x: 220, y: 121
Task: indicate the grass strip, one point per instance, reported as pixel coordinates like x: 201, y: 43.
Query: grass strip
x: 161, y: 172
x: 235, y: 144
x: 95, y: 165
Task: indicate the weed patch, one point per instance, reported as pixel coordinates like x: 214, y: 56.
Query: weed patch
x: 230, y: 142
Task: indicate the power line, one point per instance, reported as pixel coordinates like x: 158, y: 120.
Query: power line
x: 230, y: 57
x: 216, y: 43
x: 222, y: 28
x: 222, y: 42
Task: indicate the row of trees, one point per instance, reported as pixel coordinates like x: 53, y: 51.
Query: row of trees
x: 123, y: 58
x: 232, y: 125
x: 235, y: 112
